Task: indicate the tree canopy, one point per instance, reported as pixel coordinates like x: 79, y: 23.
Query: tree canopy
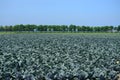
x: 60, y: 28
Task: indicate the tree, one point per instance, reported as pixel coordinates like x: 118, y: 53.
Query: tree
x: 83, y: 28
x: 62, y: 28
x: 2, y: 28
x: 11, y: 28
x: 72, y: 28
x: 110, y: 28
x: 17, y: 28
x: 118, y: 29
x: 6, y: 28
x: 97, y: 29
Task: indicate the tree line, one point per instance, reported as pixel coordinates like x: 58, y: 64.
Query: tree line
x: 60, y: 28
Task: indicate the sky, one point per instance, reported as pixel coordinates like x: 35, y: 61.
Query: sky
x: 60, y: 12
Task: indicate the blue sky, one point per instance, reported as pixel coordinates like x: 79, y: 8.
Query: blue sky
x: 55, y: 12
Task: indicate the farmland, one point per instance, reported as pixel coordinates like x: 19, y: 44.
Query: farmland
x: 92, y: 56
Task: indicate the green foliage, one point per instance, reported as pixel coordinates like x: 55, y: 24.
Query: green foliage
x: 118, y: 28
x: 59, y: 28
x: 59, y: 56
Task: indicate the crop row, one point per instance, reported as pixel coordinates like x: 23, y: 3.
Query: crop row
x: 59, y: 56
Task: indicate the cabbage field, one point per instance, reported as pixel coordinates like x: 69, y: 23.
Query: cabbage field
x: 94, y: 56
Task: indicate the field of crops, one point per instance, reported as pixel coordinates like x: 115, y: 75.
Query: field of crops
x: 59, y: 56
